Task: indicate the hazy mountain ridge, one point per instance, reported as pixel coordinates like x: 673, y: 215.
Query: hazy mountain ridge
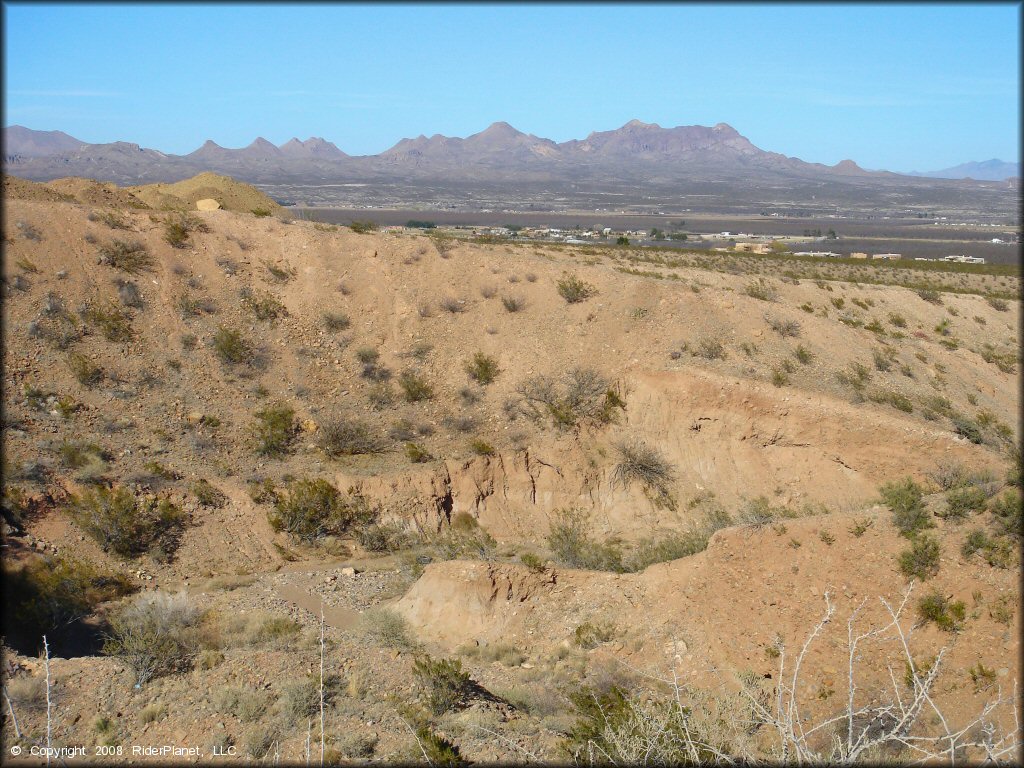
x: 985, y: 170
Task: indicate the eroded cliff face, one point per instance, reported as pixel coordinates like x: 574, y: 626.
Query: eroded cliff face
x: 733, y: 438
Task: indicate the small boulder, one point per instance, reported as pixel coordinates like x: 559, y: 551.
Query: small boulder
x: 207, y: 204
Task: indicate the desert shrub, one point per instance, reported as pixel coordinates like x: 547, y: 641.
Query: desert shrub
x: 648, y: 466
x: 156, y: 634
x: 126, y: 524
x: 482, y: 448
x: 127, y: 256
x: 207, y: 495
x: 414, y: 386
x: 114, y: 324
x: 336, y: 321
x: 890, y: 397
x: 513, y: 304
x: 574, y: 290
x: 311, y: 509
x: 779, y: 377
x: 948, y: 475
x: 947, y: 614
x: 232, y: 347
x: 444, y: 686
x: 803, y: 355
x: 710, y: 349
x: 384, y: 627
x: 580, y: 394
x: 1005, y: 361
x: 343, y: 436
x: 47, y: 594
x: 905, y: 499
x: 260, y: 213
x: 84, y: 370
x: 967, y: 429
x: 921, y: 561
x: 674, y: 546
x: 929, y: 295
x: 382, y: 537
x: 27, y: 693
x: 129, y: 294
x: 963, y: 502
x: 897, y: 319
x: 881, y: 360
x: 571, y: 544
x: 279, y: 274
x: 761, y: 289
x: 264, y: 306
x: 590, y: 635
x: 362, y: 227
x: 437, y: 749
x: 417, y: 454
x: 483, y: 369
x: 759, y: 512
x: 275, y: 429
x: 301, y: 700
x: 1008, y: 515
x: 785, y: 328
x: 452, y: 304
x: 176, y: 233
x: 464, y: 539
x: 997, y: 304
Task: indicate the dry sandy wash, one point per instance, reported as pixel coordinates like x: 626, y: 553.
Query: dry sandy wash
x: 670, y: 479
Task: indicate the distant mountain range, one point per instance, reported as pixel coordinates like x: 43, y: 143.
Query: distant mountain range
x: 636, y: 150
x: 638, y: 165
x: 987, y: 170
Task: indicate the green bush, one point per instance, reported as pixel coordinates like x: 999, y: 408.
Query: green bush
x: 571, y: 544
x: 905, y: 499
x: 445, y: 687
x: 126, y: 524
x: 207, y: 495
x: 482, y: 368
x: 414, y: 386
x: 590, y: 635
x: 418, y: 454
x: 232, y: 347
x: 362, y: 227
x: 921, y: 561
x: 574, y: 290
x: 311, y: 509
x: 948, y: 615
x: 275, y: 429
x: 1008, y: 515
x: 964, y: 501
x: 803, y: 355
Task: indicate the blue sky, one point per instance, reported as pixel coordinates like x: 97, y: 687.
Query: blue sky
x: 901, y: 87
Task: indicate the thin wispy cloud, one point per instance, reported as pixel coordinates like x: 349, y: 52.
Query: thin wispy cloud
x: 71, y: 94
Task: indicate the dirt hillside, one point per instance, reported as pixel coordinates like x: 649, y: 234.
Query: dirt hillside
x: 563, y: 467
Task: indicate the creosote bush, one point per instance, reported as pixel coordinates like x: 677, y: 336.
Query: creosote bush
x: 580, y: 394
x: 310, y: 509
x: 445, y: 687
x: 232, y: 347
x: 126, y: 524
x: 414, y: 386
x: 574, y: 290
x: 905, y: 499
x: 483, y: 369
x: 84, y: 370
x: 275, y: 429
x: 921, y: 561
x: 947, y: 614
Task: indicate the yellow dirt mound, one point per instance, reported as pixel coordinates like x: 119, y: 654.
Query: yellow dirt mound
x: 182, y: 195
x: 96, y: 193
x: 22, y: 189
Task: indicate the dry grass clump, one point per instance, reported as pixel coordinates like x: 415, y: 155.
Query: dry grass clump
x: 113, y: 322
x: 84, y: 370
x: 452, y: 305
x: 761, y: 289
x: 384, y: 627
x: 336, y: 321
x: 232, y: 347
x: 344, y: 436
x: 648, y: 466
x: 513, y: 304
x: 785, y: 328
x: 264, y: 305
x: 128, y: 256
